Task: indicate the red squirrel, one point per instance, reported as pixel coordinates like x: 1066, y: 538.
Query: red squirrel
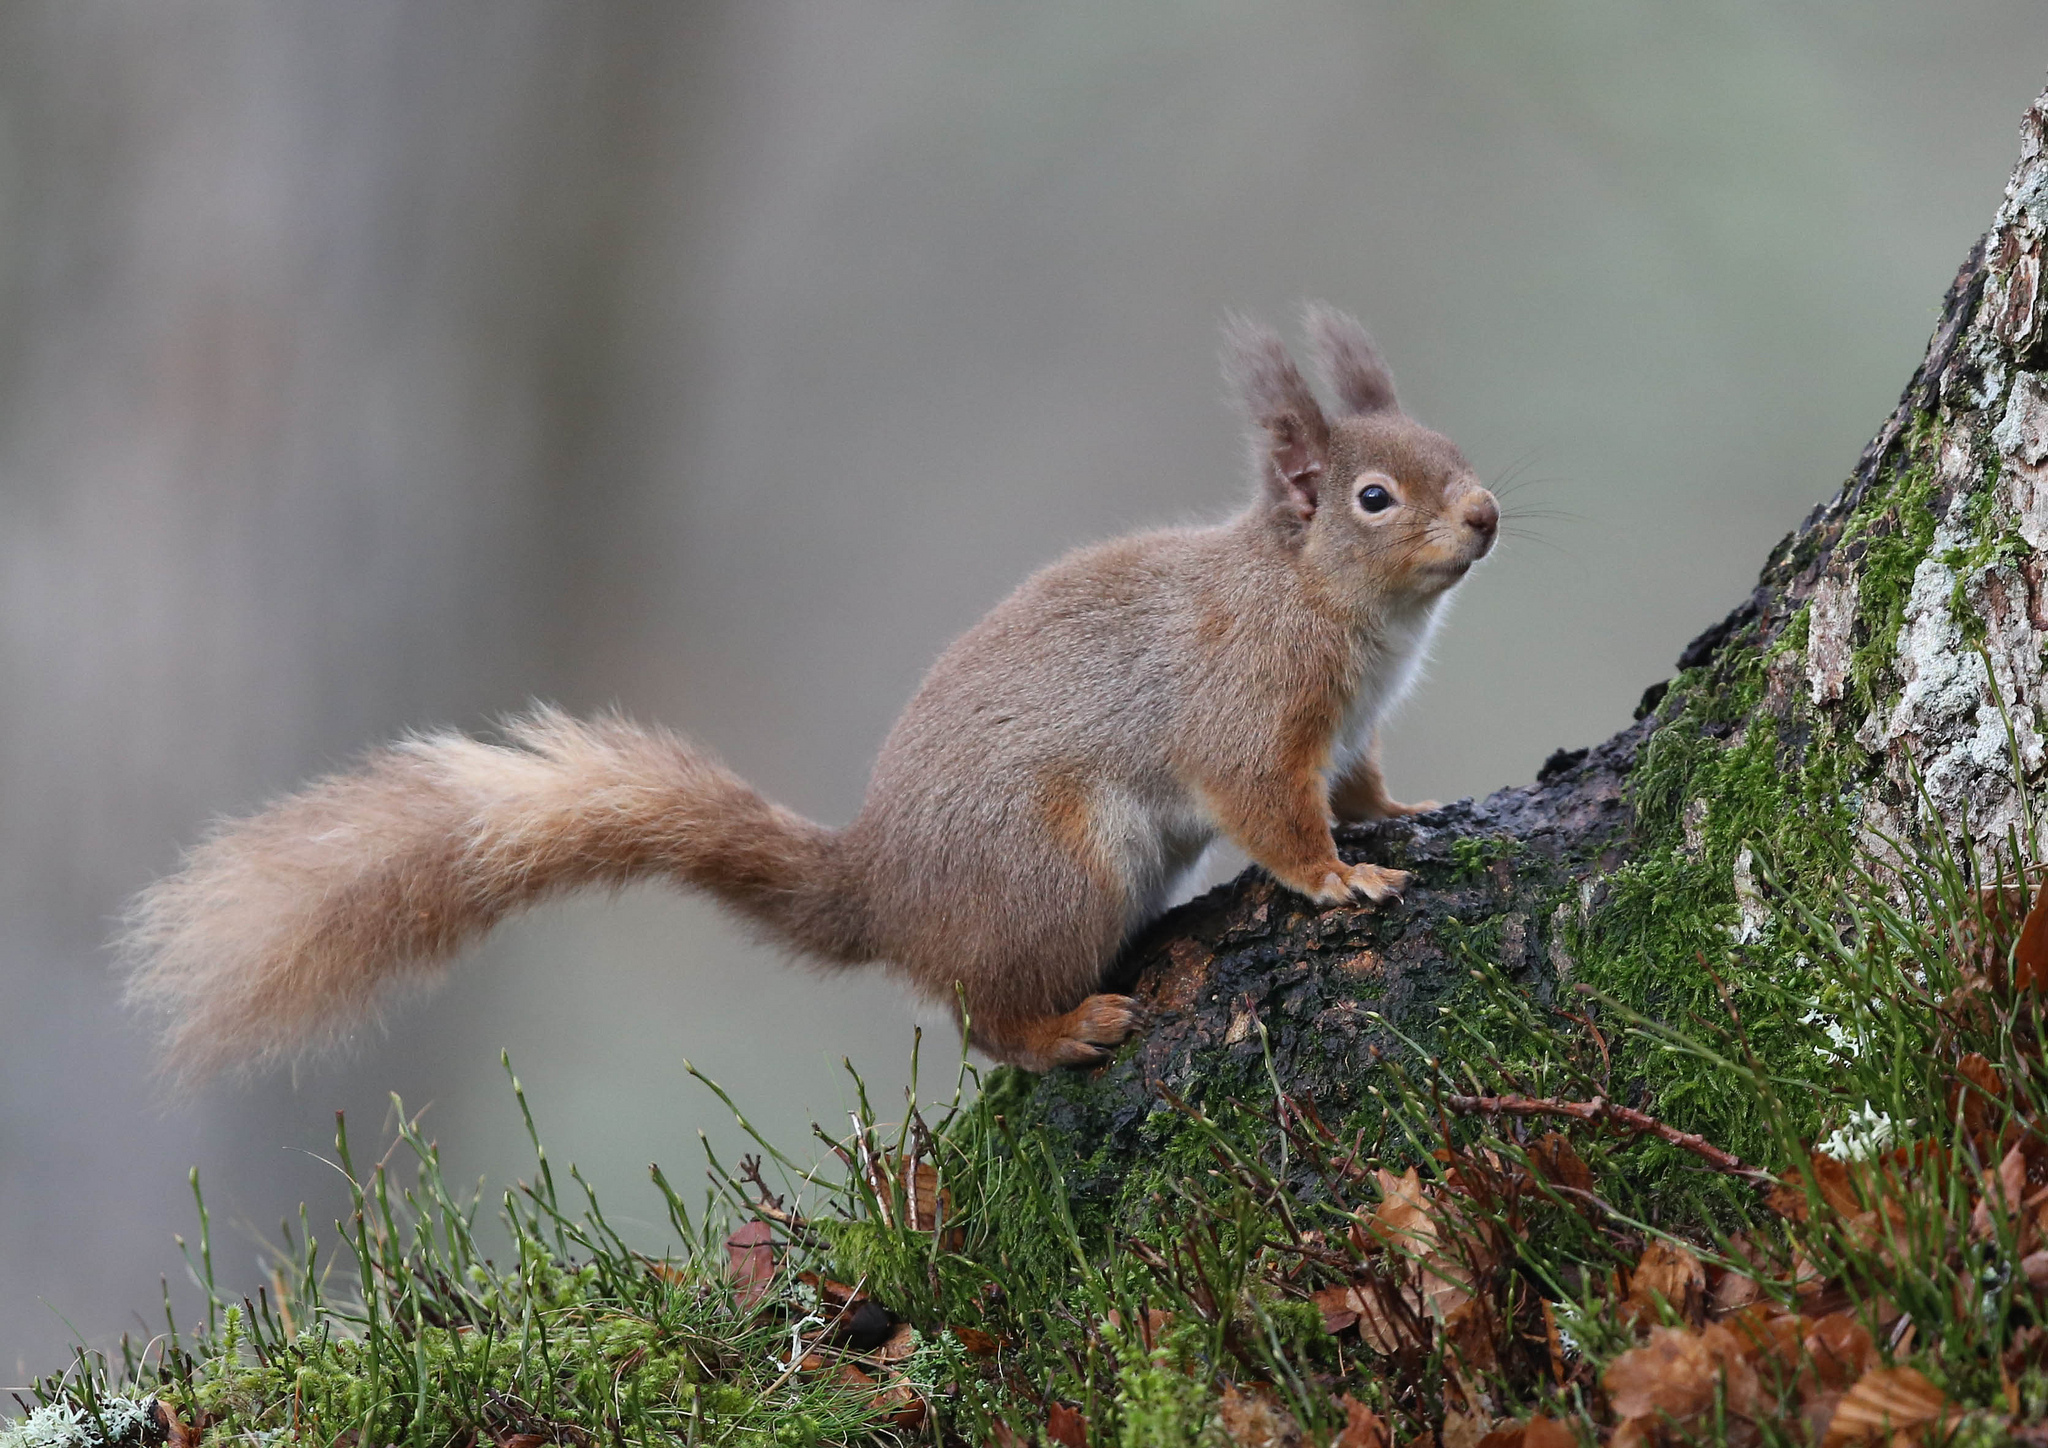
x: 1059, y: 768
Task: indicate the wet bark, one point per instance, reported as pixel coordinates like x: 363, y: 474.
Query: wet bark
x: 1895, y: 638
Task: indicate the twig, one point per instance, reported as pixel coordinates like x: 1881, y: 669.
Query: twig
x: 1600, y: 1109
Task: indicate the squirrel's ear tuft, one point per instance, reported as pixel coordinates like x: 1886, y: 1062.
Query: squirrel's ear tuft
x: 1350, y: 365
x: 1292, y: 448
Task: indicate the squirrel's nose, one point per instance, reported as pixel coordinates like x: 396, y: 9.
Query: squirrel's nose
x: 1482, y: 514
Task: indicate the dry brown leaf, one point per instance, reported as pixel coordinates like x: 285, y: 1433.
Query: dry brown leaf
x: 1253, y: 1420
x: 2003, y: 1190
x: 751, y: 1260
x: 1542, y: 1432
x: 977, y: 1342
x: 1339, y: 1307
x: 904, y: 1405
x: 901, y: 1344
x: 1554, y: 1343
x: 1151, y: 1327
x: 1469, y: 1332
x: 1465, y: 1430
x: 1980, y: 1094
x: 1363, y: 1428
x: 1390, y: 1316
x: 2030, y: 954
x: 1007, y: 1437
x: 1672, y: 1274
x: 1840, y: 1348
x: 1676, y: 1373
x: 180, y: 1434
x: 1557, y: 1162
x: 1732, y: 1292
x: 1883, y: 1402
x: 1538, y: 1432
x: 1065, y: 1426
x: 1403, y: 1220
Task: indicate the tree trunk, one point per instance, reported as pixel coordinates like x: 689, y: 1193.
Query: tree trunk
x: 1883, y: 679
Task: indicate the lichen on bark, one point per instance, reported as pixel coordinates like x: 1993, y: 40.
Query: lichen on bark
x: 1884, y: 678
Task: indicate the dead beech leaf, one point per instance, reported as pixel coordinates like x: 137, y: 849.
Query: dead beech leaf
x: 2035, y: 1265
x: 1403, y: 1220
x: 2003, y: 1190
x: 1465, y: 1429
x: 1673, y: 1275
x: 1363, y: 1428
x: 1339, y: 1307
x: 901, y: 1344
x: 1732, y: 1292
x: 1151, y: 1327
x: 1557, y: 1162
x: 751, y: 1260
x: 1883, y: 1402
x: 1469, y: 1332
x: 1065, y: 1426
x: 1538, y: 1432
x: 1255, y: 1421
x: 905, y: 1407
x: 1840, y: 1348
x: 2030, y: 954
x: 977, y: 1342
x: 1677, y: 1373
x: 1390, y: 1316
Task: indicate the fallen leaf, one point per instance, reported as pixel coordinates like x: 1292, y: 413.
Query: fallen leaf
x: 1672, y: 1275
x: 1255, y: 1421
x: 751, y: 1260
x: 905, y: 1407
x: 1390, y: 1316
x: 901, y: 1344
x: 1883, y: 1402
x: 2030, y: 954
x: 977, y: 1342
x: 1363, y: 1428
x: 1465, y: 1429
x: 1066, y: 1426
x: 1151, y: 1327
x: 1557, y: 1162
x: 1840, y: 1348
x: 1538, y: 1432
x: 1469, y: 1333
x: 1339, y: 1307
x: 1677, y: 1372
x: 1672, y: 1373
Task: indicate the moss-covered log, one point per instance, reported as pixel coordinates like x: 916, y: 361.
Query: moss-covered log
x: 1885, y: 675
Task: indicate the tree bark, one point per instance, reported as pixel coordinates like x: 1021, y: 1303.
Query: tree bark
x: 1883, y: 678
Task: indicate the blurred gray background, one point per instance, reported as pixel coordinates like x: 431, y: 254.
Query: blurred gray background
x: 370, y: 365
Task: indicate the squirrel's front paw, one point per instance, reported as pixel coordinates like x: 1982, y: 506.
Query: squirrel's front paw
x: 1341, y: 884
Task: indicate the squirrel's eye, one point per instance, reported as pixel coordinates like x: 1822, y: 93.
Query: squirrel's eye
x: 1375, y: 499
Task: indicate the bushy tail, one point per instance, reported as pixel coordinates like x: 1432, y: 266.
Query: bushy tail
x: 284, y: 930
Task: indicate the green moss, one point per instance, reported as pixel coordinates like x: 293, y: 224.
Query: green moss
x: 1890, y: 534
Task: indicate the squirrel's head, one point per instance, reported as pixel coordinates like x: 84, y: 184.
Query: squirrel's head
x: 1378, y: 503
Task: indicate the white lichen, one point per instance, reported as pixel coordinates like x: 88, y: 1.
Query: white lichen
x: 59, y: 1425
x: 1867, y: 1133
x: 1749, y: 900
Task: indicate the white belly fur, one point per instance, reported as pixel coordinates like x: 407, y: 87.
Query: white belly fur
x: 1389, y: 664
